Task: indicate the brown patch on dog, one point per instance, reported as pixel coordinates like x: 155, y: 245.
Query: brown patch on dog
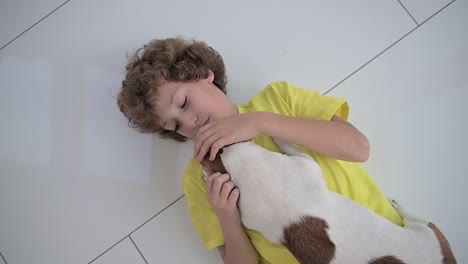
x: 446, y: 250
x: 387, y: 260
x: 213, y: 166
x: 308, y: 241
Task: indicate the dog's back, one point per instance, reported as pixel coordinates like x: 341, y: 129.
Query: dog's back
x: 287, y: 200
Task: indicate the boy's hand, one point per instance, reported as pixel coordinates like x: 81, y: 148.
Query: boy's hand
x: 221, y: 132
x: 222, y: 194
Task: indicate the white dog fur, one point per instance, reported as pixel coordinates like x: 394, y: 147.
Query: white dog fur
x: 283, y: 190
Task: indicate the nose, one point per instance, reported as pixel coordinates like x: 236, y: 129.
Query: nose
x: 188, y: 124
x: 194, y: 121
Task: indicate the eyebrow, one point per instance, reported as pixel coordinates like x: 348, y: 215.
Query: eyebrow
x: 172, y: 99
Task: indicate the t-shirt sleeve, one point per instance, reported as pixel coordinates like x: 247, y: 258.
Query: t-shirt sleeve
x: 305, y: 103
x: 203, y: 216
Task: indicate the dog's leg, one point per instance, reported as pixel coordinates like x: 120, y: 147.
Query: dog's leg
x: 407, y: 218
x: 420, y: 225
x: 289, y: 149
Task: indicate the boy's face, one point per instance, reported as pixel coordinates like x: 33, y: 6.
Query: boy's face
x: 187, y: 106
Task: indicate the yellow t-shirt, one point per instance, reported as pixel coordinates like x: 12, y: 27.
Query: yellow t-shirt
x: 347, y: 178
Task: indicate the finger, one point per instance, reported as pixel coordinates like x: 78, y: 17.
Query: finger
x: 206, y: 146
x: 215, y: 148
x: 209, y: 182
x: 203, y: 129
x: 226, y: 190
x: 200, y: 136
x: 200, y: 142
x: 218, y: 183
x: 234, y: 197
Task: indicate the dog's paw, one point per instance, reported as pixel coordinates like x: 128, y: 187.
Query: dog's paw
x: 397, y: 207
x: 280, y: 143
x: 393, y: 202
x: 286, y: 147
x: 407, y: 218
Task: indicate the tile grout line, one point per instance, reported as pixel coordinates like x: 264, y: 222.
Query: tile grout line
x: 393, y: 44
x: 108, y: 249
x: 136, y: 229
x: 1, y: 255
x: 404, y: 7
x: 365, y: 64
x: 156, y: 214
x: 438, y: 11
x: 138, y: 249
x: 4, y: 46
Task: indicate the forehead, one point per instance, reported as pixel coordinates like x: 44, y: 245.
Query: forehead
x: 163, y: 96
x: 162, y: 100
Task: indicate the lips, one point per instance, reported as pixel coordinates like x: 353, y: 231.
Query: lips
x: 207, y: 120
x: 204, y: 123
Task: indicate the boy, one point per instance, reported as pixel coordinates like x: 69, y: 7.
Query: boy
x: 176, y: 88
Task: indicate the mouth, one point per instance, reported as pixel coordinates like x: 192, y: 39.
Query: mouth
x: 207, y: 121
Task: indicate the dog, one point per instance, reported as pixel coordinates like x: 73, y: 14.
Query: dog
x: 285, y: 197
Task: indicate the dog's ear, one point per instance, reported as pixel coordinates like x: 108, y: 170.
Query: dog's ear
x: 213, y: 166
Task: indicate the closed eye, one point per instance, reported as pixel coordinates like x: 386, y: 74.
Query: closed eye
x: 185, y: 102
x: 177, y: 123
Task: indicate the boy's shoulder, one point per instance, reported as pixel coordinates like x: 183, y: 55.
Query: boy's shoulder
x: 277, y: 87
x: 281, y: 89
x: 285, y: 89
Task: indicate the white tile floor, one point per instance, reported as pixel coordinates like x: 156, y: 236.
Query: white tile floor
x: 19, y: 15
x: 78, y: 186
x: 123, y: 252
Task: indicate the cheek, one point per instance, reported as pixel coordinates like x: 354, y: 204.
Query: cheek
x: 196, y: 105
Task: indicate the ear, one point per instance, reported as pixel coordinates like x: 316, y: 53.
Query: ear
x: 210, y: 77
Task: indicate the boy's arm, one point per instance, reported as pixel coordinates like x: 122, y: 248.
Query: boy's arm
x: 336, y: 138
x: 223, y: 196
x: 237, y: 247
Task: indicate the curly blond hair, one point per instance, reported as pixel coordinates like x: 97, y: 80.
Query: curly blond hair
x: 158, y: 62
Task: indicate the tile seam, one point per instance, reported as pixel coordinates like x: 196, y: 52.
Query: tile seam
x: 407, y: 11
x: 11, y: 41
x: 4, y: 260
x: 141, y: 254
x: 393, y: 44
x: 151, y: 218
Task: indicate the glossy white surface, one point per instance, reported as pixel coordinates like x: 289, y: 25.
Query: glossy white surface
x: 123, y: 253
x: 18, y: 15
x: 74, y: 179
x: 171, y: 238
x: 411, y: 103
x: 423, y: 9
